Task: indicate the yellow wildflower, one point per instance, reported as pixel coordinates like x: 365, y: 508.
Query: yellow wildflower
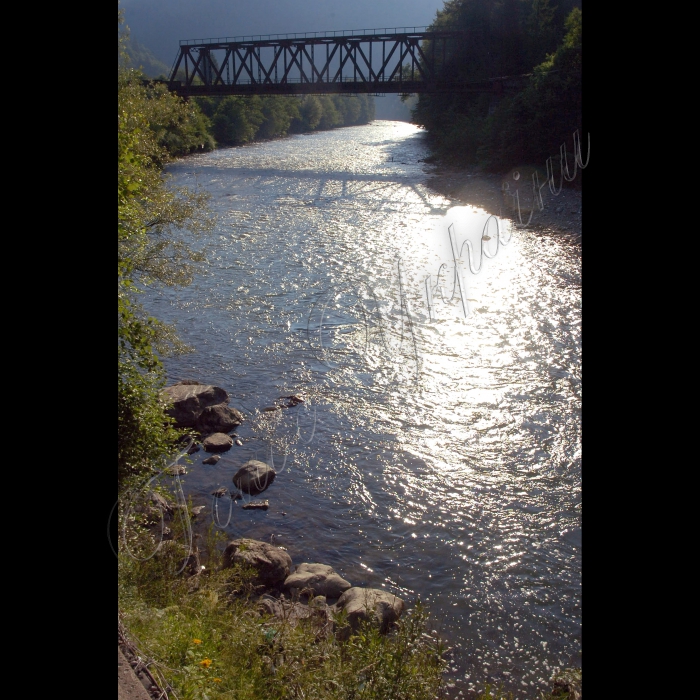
x: 196, y: 641
x: 205, y: 662
x: 216, y: 680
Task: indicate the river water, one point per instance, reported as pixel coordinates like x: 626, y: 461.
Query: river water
x: 438, y: 451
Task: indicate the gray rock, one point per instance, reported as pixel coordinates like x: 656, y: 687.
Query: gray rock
x: 271, y: 563
x: 321, y: 579
x: 160, y: 502
x: 292, y: 400
x: 211, y: 460
x: 218, y: 419
x: 293, y: 612
x: 218, y: 442
x: 189, y: 565
x: 380, y: 607
x: 287, y: 610
x: 175, y: 469
x: 187, y: 401
x: 220, y: 492
x: 567, y: 684
x: 254, y: 477
x: 153, y: 509
x: 256, y: 505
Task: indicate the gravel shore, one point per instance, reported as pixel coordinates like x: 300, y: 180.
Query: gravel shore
x: 561, y: 215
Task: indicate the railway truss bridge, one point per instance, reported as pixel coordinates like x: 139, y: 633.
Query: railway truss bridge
x: 375, y: 61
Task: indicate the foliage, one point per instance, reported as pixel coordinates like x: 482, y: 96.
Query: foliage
x: 235, y: 120
x: 311, y: 112
x: 239, y: 120
x: 205, y: 634
x: 532, y: 125
x: 507, y: 38
x: 153, y: 127
x: 142, y: 59
x: 278, y: 116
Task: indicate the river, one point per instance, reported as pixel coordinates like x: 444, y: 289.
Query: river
x: 436, y: 455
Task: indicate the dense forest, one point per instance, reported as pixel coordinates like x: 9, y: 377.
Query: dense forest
x: 532, y: 38
x: 235, y: 120
x: 508, y: 38
x: 505, y: 37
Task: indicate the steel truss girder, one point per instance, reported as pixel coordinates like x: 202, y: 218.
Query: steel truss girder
x: 370, y: 63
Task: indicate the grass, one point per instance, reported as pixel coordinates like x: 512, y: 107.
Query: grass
x: 206, y: 639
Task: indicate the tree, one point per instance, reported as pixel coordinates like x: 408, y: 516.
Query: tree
x: 533, y: 124
x: 311, y: 112
x: 149, y: 216
x: 278, y: 112
x: 505, y: 37
x: 330, y: 117
x: 237, y: 120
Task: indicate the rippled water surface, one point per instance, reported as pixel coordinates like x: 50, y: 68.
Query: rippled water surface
x: 436, y: 456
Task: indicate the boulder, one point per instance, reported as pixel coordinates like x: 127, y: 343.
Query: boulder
x: 256, y: 505
x: 254, y: 477
x: 271, y: 563
x: 153, y: 509
x: 218, y: 442
x: 160, y: 502
x: 218, y: 419
x: 187, y: 401
x: 285, y: 610
x: 292, y: 612
x: 378, y: 606
x: 211, y: 460
x: 567, y: 684
x: 292, y: 400
x: 321, y: 579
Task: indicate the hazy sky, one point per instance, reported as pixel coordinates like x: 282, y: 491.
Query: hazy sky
x: 160, y: 24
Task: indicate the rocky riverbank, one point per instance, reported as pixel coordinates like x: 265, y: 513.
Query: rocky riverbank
x: 561, y: 214
x: 280, y: 596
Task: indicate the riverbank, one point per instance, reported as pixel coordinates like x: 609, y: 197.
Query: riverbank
x: 561, y: 215
x: 212, y: 633
x: 297, y: 217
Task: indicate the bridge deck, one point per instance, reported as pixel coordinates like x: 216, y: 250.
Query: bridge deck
x: 349, y: 62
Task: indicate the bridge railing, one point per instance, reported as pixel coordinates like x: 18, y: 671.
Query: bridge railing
x: 323, y: 62
x: 344, y: 79
x: 303, y: 35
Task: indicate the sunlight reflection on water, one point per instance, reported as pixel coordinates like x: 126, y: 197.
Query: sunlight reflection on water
x: 439, y: 459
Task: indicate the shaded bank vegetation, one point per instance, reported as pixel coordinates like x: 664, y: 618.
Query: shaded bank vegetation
x: 204, y: 630
x: 155, y: 126
x: 508, y: 38
x: 237, y: 120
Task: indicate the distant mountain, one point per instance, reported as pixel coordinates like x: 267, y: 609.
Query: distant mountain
x: 142, y: 57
